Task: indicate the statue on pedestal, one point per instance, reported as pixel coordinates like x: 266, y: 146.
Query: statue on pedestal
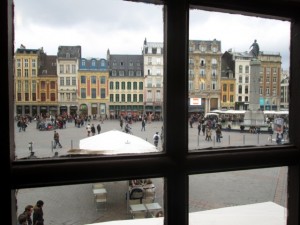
x: 255, y: 49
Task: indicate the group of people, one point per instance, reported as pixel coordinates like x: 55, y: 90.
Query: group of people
x: 207, y: 131
x: 92, y: 129
x: 32, y: 215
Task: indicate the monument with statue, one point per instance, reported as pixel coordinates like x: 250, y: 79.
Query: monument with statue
x: 254, y: 117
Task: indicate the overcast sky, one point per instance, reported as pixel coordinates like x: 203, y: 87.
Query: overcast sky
x: 98, y: 25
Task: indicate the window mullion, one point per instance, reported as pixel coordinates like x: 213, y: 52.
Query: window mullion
x: 176, y: 14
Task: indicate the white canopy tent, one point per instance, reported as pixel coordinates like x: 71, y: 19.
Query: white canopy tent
x: 113, y: 142
x: 266, y: 213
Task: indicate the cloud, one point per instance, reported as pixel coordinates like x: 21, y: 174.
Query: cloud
x: 122, y: 26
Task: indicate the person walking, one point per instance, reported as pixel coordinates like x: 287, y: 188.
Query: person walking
x: 98, y: 128
x: 218, y: 134
x: 38, y: 214
x: 26, y: 214
x: 56, y: 140
x: 93, y: 130
x: 143, y: 125
x: 156, y: 139
x: 199, y: 129
x: 88, y: 128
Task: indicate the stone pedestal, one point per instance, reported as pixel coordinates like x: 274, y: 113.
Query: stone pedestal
x: 254, y: 116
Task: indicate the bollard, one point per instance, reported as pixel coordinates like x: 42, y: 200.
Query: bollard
x: 52, y: 144
x: 198, y: 139
x: 214, y: 141
x: 229, y: 140
x: 71, y: 144
x: 244, y: 139
x: 258, y: 138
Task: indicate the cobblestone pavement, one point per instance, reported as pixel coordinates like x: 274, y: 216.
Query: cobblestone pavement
x: 74, y: 204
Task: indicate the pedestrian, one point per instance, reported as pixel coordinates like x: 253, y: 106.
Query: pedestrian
x: 156, y: 139
x: 218, y: 134
x: 22, y: 219
x: 121, y: 123
x: 127, y: 129
x: 38, y: 214
x: 203, y: 129
x: 98, y: 128
x: 93, y: 130
x: 199, y: 128
x: 88, y: 128
x: 56, y: 140
x: 143, y: 125
x: 27, y: 214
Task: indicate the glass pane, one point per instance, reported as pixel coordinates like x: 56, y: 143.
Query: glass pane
x: 96, y: 202
x: 88, y: 50
x: 239, y: 197
x: 241, y: 90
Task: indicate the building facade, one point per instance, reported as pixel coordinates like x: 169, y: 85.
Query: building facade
x: 26, y: 71
x: 93, y: 87
x: 205, y: 74
x: 67, y: 67
x: 153, y: 72
x: 126, y: 85
x: 270, y: 80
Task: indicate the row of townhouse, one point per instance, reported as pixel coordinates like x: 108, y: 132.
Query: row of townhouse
x: 133, y: 84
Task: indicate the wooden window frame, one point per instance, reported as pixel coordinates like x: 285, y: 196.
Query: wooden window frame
x: 176, y: 164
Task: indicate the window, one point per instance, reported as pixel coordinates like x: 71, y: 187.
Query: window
x: 128, y: 85
x: 240, y: 69
x: 83, y: 92
x: 123, y: 97
x: 73, y: 81
x: 68, y: 81
x: 102, y: 80
x: 83, y: 79
x: 240, y: 79
x: 134, y: 85
x: 102, y: 93
x: 247, y: 79
x: 111, y: 85
x: 141, y: 99
x: 134, y: 97
x: 121, y: 73
x: 117, y: 85
x: 128, y: 97
x: 231, y: 87
x: 94, y: 93
x: 224, y: 98
x: 43, y: 97
x: 123, y: 85
x: 176, y: 150
x: 246, y: 69
x: 93, y: 79
x: 43, y: 84
x: 62, y: 81
x: 61, y: 68
x: 224, y: 87
x: 117, y: 97
x: 73, y: 69
x: 240, y: 89
x: 52, y: 84
x: 141, y: 85
x: 52, y: 97
x: 138, y: 73
x: 111, y: 97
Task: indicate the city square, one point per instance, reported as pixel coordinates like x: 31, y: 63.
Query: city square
x: 207, y: 191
